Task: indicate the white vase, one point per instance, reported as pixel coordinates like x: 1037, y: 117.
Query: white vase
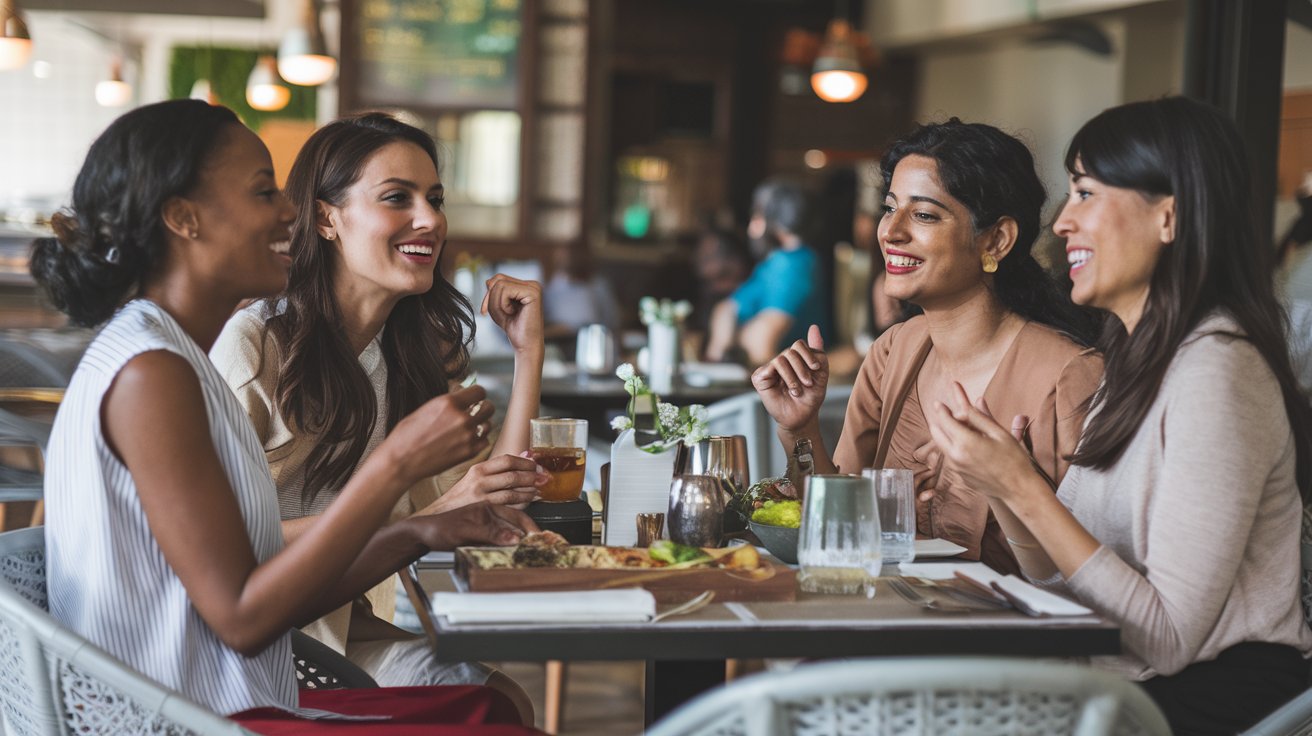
x: 663, y: 356
x: 639, y: 484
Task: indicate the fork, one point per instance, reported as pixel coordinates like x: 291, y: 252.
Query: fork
x: 915, y: 598
x: 695, y: 603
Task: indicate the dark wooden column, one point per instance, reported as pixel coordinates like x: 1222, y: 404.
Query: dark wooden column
x: 1234, y: 59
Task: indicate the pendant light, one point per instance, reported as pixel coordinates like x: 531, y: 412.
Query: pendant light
x: 837, y: 75
x: 15, y: 41
x: 264, y: 90
x: 302, y: 56
x: 202, y: 90
x: 114, y: 92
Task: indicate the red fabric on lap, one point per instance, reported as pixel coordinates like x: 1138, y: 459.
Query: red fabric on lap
x: 456, y: 710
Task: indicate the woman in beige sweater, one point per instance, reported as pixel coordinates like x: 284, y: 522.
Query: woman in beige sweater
x: 1180, y: 517
x: 367, y: 330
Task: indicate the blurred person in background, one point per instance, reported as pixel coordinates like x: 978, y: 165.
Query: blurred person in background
x: 723, y: 261
x: 577, y: 295
x: 1288, y: 252
x: 787, y: 290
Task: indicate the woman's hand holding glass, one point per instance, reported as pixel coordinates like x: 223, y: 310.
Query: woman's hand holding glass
x: 792, y: 386
x: 441, y: 434
x: 505, y: 480
x: 516, y: 307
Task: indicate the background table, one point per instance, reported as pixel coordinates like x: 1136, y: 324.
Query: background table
x: 685, y: 655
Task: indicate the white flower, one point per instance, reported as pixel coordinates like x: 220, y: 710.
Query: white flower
x: 624, y: 372
x: 619, y: 424
x: 668, y: 414
x: 698, y: 414
x: 682, y: 309
x: 695, y: 435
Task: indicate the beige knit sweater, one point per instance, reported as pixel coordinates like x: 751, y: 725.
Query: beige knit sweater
x: 250, y: 364
x: 1199, y: 519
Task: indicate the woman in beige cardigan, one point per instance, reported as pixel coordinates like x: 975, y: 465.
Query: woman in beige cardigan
x: 366, y: 330
x: 961, y: 212
x: 1180, y: 516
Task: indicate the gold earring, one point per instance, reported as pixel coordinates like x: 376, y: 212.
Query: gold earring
x: 990, y: 263
x: 194, y: 234
x: 330, y: 236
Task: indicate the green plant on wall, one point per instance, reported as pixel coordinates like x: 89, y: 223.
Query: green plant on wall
x: 228, y: 69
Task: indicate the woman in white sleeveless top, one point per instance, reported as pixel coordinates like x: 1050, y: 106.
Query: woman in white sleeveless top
x: 164, y: 540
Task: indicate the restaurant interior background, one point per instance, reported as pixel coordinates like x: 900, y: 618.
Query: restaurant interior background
x: 614, y: 130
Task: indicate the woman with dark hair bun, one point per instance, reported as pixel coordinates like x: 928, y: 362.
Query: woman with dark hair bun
x: 961, y: 211
x: 368, y: 330
x: 163, y: 543
x: 1180, y: 516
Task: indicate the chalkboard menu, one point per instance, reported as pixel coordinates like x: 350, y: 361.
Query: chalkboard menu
x: 438, y: 53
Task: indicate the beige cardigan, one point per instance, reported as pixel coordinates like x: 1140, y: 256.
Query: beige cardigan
x: 1044, y: 375
x: 250, y: 364
x: 1199, y: 519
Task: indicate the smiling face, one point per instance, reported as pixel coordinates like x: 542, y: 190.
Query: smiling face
x: 1114, y: 238
x: 241, y: 218
x: 928, y: 239
x: 389, y: 230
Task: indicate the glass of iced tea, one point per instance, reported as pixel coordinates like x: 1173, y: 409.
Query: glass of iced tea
x: 560, y: 446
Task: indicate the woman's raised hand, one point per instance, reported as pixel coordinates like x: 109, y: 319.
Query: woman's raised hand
x: 516, y: 307
x: 441, y: 434
x: 792, y: 385
x: 504, y: 480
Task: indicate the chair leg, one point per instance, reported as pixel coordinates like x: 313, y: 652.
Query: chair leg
x: 732, y: 667
x: 554, y: 712
x: 4, y: 507
x: 38, y: 513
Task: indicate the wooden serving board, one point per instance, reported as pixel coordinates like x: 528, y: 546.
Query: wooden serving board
x: 668, y: 586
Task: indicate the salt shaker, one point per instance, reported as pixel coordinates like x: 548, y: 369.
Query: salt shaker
x: 696, y: 510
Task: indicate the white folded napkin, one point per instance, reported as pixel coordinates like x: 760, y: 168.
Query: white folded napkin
x: 624, y: 605
x: 937, y: 548
x: 1035, y: 599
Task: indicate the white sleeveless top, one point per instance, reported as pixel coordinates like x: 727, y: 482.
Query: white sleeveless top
x: 107, y: 578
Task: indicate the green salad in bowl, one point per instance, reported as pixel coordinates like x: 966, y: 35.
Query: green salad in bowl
x: 775, y: 523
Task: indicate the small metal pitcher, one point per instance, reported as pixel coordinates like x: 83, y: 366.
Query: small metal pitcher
x: 725, y: 458
x: 595, y: 350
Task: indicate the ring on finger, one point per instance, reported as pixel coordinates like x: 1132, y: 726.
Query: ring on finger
x: 480, y: 430
x: 473, y: 410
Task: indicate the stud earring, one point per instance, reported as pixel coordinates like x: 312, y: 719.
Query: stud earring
x: 989, y: 262
x: 330, y: 236
x: 193, y: 234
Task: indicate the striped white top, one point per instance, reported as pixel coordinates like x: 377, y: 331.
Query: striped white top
x: 107, y: 578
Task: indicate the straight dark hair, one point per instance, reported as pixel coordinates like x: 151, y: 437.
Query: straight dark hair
x: 322, y: 389
x: 992, y: 174
x: 1217, y: 262
x: 112, y: 236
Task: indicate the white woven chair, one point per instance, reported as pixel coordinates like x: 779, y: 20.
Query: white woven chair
x: 938, y: 696
x: 54, y: 682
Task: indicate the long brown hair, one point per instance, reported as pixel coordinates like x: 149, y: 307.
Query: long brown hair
x: 322, y: 389
x: 1176, y: 146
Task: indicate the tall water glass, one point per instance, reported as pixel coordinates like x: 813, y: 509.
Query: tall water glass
x: 895, y: 491
x: 838, y: 548
x: 696, y: 514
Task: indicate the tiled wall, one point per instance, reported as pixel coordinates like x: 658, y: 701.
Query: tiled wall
x: 46, y: 124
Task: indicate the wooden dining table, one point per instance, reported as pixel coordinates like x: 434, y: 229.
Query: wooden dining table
x: 685, y: 655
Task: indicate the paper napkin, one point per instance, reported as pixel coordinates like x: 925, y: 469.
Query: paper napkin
x: 624, y: 605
